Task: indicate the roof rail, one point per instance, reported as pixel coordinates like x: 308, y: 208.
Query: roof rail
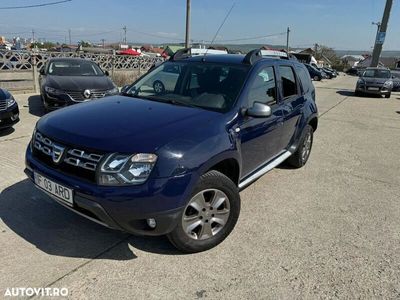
x: 181, y: 54
x: 252, y: 56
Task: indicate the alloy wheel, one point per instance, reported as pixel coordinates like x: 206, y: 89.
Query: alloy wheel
x: 305, y: 153
x: 206, y: 214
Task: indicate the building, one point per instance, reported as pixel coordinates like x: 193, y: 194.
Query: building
x: 352, y: 60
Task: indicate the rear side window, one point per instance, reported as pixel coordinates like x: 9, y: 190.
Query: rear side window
x: 305, y: 79
x: 289, y: 86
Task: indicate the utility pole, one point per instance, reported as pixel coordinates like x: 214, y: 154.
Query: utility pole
x: 378, y: 25
x: 124, y: 28
x: 33, y: 36
x: 287, y: 40
x: 69, y: 33
x: 103, y: 40
x: 380, y: 39
x: 187, y: 36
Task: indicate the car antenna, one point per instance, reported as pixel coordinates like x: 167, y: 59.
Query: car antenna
x: 220, y: 26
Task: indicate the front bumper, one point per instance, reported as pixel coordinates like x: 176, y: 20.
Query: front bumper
x: 9, y: 117
x: 376, y: 90
x: 123, y: 208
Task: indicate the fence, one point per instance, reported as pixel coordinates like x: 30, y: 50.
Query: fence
x: 19, y: 70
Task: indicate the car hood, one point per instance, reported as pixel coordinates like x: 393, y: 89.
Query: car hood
x: 79, y: 83
x: 369, y: 80
x: 123, y: 124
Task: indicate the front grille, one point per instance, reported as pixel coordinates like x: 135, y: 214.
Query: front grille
x: 69, y: 160
x: 3, y: 104
x: 80, y: 96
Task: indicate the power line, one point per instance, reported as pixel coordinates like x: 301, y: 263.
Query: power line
x: 253, y: 38
x: 35, y: 5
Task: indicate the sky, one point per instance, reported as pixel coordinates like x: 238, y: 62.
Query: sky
x: 340, y: 24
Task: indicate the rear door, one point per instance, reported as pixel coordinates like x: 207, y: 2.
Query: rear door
x: 293, y: 101
x: 260, y: 137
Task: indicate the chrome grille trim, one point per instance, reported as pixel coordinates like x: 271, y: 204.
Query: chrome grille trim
x: 79, y: 97
x: 3, y: 104
x: 73, y: 157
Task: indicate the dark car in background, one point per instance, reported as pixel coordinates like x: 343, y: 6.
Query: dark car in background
x: 375, y: 81
x: 172, y: 162
x: 9, y: 111
x: 315, y: 74
x: 66, y: 81
x: 330, y: 73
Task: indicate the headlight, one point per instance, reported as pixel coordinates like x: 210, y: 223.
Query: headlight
x: 119, y: 169
x: 114, y: 91
x: 388, y: 84
x: 10, y: 101
x: 53, y: 91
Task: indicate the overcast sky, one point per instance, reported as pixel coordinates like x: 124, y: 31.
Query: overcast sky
x: 341, y: 24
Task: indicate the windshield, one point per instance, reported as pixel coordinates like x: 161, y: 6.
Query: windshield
x: 377, y: 73
x: 211, y: 86
x: 74, y: 68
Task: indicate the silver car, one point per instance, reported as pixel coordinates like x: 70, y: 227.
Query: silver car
x: 375, y: 81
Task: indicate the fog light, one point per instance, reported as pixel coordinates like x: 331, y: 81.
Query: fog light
x: 14, y: 117
x: 152, y: 223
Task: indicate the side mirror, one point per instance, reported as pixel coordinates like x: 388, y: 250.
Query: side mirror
x: 125, y: 88
x: 41, y: 71
x: 259, y: 110
x: 106, y: 73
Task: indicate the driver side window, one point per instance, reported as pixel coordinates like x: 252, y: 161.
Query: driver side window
x: 263, y: 87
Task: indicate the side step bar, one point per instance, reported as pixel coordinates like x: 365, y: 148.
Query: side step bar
x: 268, y: 167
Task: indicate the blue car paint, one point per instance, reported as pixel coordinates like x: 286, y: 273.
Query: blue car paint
x: 188, y: 142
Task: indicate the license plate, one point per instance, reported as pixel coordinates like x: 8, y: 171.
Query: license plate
x: 373, y: 89
x: 60, y: 192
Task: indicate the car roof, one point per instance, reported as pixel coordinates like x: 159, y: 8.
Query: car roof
x: 377, y: 68
x: 230, y: 59
x: 69, y: 59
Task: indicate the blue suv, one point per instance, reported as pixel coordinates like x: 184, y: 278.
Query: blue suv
x: 172, y: 161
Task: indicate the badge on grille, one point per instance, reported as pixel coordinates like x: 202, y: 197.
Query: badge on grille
x: 57, y: 153
x: 87, y: 94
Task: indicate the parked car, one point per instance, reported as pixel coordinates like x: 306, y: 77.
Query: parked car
x: 9, y: 111
x: 66, y: 81
x: 315, y: 74
x: 376, y: 81
x: 173, y: 163
x: 331, y: 74
x: 353, y: 71
x: 396, y: 81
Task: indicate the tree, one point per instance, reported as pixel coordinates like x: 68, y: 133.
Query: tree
x: 85, y: 44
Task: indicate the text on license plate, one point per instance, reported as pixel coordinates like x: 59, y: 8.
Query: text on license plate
x: 61, y: 192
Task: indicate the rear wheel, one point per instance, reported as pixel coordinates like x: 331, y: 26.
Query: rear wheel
x: 300, y: 157
x: 316, y: 78
x: 210, y: 215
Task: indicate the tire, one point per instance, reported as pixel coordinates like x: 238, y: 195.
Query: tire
x: 316, y: 78
x: 388, y: 96
x: 358, y: 93
x: 191, y: 234
x: 300, y: 157
x: 158, y: 87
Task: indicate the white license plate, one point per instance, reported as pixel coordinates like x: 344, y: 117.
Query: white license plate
x: 373, y: 89
x: 61, y: 192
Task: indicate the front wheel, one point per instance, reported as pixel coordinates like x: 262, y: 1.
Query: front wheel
x: 388, y: 96
x: 209, y: 216
x: 158, y: 87
x: 300, y: 157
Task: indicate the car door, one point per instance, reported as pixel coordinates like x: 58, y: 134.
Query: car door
x: 260, y: 137
x: 293, y: 101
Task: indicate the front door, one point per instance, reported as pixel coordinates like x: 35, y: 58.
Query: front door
x: 260, y: 137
